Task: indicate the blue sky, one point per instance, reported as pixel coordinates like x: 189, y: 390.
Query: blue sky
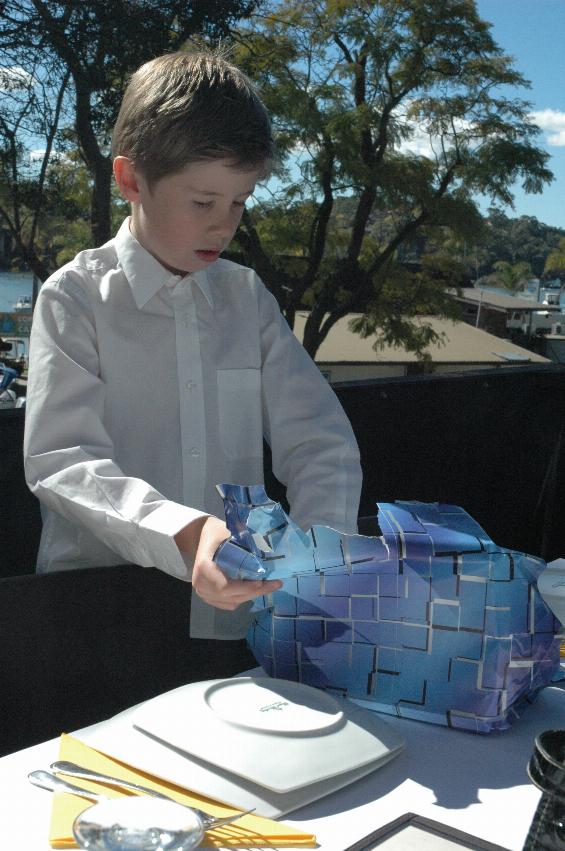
x: 533, y: 32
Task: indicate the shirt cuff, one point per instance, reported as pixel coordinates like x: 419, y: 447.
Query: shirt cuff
x: 157, y: 531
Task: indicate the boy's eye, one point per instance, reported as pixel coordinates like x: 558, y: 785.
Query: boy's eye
x: 205, y: 205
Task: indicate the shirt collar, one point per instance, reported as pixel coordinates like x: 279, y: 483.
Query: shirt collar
x: 146, y: 275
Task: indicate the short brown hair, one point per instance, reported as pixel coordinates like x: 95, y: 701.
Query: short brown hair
x: 188, y: 107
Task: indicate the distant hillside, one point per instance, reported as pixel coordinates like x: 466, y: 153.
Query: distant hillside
x: 523, y: 238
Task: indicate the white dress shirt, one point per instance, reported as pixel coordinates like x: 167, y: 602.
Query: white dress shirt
x: 146, y: 389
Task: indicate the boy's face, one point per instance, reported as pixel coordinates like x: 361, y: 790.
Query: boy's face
x: 187, y: 219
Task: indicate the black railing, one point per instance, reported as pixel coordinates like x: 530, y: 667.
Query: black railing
x: 490, y: 441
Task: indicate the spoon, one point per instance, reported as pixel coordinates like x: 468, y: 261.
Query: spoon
x: 49, y: 781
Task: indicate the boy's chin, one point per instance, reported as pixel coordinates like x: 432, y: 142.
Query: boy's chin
x: 174, y: 271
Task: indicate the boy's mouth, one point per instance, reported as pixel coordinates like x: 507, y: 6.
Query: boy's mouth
x: 209, y: 256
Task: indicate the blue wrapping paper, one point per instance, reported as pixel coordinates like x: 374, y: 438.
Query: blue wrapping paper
x: 431, y: 620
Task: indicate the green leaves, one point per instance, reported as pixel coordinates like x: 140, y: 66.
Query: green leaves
x: 555, y: 262
x: 402, y: 107
x: 511, y: 276
x: 97, y: 45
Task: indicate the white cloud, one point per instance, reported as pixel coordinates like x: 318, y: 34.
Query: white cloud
x: 14, y: 78
x: 420, y: 144
x: 421, y: 141
x: 56, y: 156
x: 552, y: 121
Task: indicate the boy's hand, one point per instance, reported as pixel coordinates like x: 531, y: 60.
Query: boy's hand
x: 207, y: 579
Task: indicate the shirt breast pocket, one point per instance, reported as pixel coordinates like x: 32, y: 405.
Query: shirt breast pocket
x: 240, y: 414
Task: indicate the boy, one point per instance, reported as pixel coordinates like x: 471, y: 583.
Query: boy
x: 156, y: 368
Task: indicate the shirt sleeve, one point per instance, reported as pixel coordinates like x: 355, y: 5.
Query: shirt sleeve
x: 314, y: 449
x: 69, y: 456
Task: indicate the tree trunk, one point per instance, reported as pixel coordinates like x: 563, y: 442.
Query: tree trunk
x: 99, y: 165
x: 100, y: 216
x: 312, y: 336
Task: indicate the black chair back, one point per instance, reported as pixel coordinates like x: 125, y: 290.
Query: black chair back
x: 20, y: 517
x: 78, y: 646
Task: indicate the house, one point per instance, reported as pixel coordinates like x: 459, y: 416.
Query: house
x: 345, y: 356
x: 503, y: 314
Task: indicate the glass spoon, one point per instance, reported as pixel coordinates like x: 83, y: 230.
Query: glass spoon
x: 138, y: 824
x: 132, y: 823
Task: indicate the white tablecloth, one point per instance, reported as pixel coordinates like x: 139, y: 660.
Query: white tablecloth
x: 477, y: 784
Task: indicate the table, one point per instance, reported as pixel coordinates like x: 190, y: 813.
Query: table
x: 475, y: 783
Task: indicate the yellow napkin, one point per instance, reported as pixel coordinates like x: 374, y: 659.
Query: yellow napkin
x: 250, y: 831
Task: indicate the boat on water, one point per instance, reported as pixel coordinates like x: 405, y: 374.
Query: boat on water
x: 9, y: 397
x: 549, y: 293
x: 24, y: 302
x: 13, y: 372
x: 544, y: 292
x: 13, y: 353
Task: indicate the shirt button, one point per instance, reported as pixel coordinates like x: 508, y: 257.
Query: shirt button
x: 195, y: 452
x: 190, y: 385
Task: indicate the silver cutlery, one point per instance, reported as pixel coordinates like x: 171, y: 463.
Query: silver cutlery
x: 46, y: 780
x: 53, y: 783
x: 74, y: 770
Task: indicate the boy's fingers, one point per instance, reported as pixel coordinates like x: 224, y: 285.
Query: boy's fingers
x: 214, y: 588
x: 251, y: 588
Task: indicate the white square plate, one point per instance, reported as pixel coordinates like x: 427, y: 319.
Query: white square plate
x: 178, y: 711
x: 275, y: 733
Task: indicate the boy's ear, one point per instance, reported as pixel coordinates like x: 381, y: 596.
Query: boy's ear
x: 126, y: 178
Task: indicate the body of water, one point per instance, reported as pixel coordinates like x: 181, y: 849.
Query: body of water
x: 12, y: 286
x: 15, y: 284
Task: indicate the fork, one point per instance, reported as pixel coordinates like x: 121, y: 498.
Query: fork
x: 54, y: 783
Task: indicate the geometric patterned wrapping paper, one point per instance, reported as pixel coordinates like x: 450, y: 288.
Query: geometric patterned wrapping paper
x: 430, y: 621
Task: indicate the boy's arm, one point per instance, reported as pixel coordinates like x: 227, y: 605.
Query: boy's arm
x: 314, y: 450
x: 70, y: 467
x: 69, y: 456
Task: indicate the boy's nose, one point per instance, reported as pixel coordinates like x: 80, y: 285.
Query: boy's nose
x: 223, y: 225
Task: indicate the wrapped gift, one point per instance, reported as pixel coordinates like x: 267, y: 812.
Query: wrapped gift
x: 431, y: 620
